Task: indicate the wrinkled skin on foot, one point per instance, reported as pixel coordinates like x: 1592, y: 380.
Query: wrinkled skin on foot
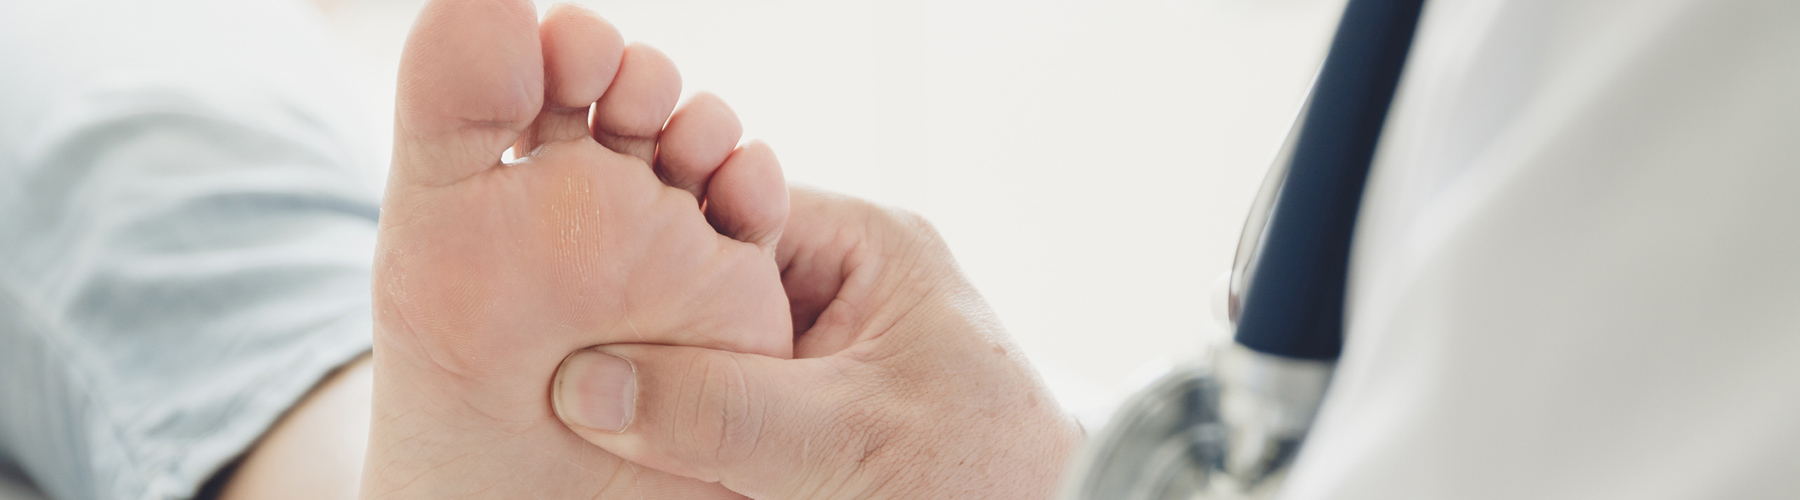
x: 488, y: 274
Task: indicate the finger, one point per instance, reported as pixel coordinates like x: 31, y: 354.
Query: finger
x: 829, y: 262
x: 748, y: 422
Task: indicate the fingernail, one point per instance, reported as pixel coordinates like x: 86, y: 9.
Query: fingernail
x: 596, y: 390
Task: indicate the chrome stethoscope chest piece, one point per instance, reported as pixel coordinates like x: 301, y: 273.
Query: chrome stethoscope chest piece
x: 1224, y: 426
x: 1228, y: 425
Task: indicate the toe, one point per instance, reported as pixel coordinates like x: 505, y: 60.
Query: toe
x: 696, y: 142
x: 631, y: 114
x: 581, y: 56
x: 471, y: 80
x: 747, y: 198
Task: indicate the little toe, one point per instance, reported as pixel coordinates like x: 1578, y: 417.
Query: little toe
x: 631, y: 114
x: 581, y: 55
x: 747, y: 198
x: 471, y: 81
x: 700, y: 135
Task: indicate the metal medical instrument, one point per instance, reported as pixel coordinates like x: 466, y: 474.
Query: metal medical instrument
x: 1228, y: 425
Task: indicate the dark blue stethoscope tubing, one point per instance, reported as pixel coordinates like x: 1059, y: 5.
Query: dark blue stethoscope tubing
x: 1288, y: 299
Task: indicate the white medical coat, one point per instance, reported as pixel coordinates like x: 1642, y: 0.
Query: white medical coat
x: 1576, y: 272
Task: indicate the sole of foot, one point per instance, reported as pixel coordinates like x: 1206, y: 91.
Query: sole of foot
x: 625, y: 219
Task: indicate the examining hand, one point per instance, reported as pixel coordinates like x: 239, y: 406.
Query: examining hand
x: 907, y: 386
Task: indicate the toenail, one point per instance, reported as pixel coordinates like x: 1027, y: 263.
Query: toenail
x: 596, y: 390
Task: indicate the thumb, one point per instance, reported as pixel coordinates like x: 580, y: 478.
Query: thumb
x: 743, y: 420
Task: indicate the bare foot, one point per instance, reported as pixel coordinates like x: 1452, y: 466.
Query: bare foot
x: 488, y: 274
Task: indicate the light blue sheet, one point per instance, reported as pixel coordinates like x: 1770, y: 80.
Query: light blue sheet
x: 186, y: 226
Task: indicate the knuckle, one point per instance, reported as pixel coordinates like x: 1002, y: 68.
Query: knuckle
x: 890, y: 224
x: 727, y: 422
x: 910, y: 219
x: 913, y: 224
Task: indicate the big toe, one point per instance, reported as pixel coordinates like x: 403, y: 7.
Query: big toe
x: 471, y: 80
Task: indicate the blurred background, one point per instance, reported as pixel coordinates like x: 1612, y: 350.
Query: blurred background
x: 1089, y: 161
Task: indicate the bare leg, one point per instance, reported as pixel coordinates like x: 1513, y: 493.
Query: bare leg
x: 316, y: 451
